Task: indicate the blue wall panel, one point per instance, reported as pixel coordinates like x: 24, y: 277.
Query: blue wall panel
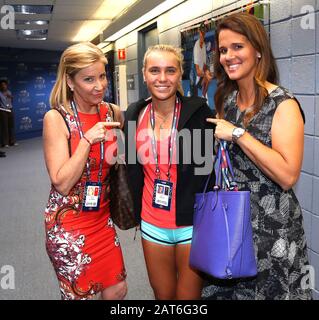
x: 30, y: 82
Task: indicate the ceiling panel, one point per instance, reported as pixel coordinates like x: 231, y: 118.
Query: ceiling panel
x: 28, y: 2
x: 67, y: 18
x: 65, y: 29
x: 20, y: 16
x: 78, y: 3
x: 4, y: 34
x: 69, y: 13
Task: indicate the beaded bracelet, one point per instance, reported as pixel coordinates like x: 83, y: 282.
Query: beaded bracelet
x: 85, y: 138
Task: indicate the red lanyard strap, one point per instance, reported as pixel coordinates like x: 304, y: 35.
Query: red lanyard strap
x: 78, y: 124
x: 172, y: 138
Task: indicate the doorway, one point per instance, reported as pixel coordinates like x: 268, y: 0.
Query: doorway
x: 147, y: 37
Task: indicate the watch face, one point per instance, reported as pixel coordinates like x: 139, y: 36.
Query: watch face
x: 238, y: 132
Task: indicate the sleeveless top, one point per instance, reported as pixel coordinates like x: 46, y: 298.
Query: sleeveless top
x: 83, y: 246
x: 158, y: 217
x: 75, y: 196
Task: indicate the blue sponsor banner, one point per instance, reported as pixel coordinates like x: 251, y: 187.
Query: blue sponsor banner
x: 31, y: 85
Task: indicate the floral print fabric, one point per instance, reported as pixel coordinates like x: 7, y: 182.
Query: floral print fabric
x: 83, y: 246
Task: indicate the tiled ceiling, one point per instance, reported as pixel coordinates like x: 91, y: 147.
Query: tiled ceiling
x: 65, y: 21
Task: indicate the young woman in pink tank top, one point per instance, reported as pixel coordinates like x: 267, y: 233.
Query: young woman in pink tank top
x: 163, y: 184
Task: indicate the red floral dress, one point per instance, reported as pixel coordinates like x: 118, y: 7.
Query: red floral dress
x: 83, y: 246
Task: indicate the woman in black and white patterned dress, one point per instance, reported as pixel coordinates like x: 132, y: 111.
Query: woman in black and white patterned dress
x: 264, y: 126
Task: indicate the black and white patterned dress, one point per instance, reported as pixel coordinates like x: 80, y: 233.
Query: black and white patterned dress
x: 279, y: 238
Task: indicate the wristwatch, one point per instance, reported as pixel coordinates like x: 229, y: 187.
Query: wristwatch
x: 237, y: 133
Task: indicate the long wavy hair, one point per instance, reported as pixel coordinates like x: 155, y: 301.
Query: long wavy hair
x: 266, y: 69
x: 73, y: 59
x: 177, y: 52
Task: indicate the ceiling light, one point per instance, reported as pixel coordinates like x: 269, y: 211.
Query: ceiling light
x: 155, y: 12
x: 32, y: 34
x: 43, y: 38
x: 26, y: 32
x: 32, y: 22
x: 101, y: 19
x: 111, y: 9
x: 41, y: 22
x: 33, y: 9
x: 101, y: 45
x: 90, y: 29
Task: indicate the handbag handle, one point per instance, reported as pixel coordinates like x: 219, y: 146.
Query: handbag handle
x: 222, y: 167
x: 119, y: 136
x: 224, y: 170
x: 222, y: 162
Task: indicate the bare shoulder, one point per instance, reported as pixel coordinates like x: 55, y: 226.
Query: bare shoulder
x: 52, y: 115
x: 288, y: 106
x: 288, y: 113
x: 53, y: 121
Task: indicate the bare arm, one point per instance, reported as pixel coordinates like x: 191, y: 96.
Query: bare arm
x: 65, y: 171
x: 281, y: 163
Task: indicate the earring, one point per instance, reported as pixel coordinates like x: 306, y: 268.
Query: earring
x: 258, y: 55
x: 71, y: 88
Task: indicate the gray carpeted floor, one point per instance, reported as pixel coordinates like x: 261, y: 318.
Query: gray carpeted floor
x: 24, y: 189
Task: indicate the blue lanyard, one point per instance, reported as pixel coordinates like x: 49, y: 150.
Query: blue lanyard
x: 172, y: 138
x: 78, y: 124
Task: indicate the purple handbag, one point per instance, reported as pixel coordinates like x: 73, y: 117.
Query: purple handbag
x: 222, y: 244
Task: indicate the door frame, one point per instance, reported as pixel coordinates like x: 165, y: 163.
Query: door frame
x: 140, y: 55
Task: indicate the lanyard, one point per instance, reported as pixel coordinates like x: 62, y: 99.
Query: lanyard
x: 172, y: 137
x: 78, y: 124
x: 228, y: 183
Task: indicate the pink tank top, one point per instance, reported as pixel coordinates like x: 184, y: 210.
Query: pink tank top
x: 158, y: 217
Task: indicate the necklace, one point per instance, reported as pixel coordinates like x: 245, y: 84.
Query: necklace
x: 163, y: 119
x: 239, y: 103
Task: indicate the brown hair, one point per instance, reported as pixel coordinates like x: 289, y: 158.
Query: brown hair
x: 177, y: 52
x: 266, y: 70
x: 73, y: 59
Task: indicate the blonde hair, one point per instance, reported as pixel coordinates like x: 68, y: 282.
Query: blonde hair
x: 177, y: 52
x: 73, y: 59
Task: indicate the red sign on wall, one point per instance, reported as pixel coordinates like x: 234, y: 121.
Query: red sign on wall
x: 121, y: 54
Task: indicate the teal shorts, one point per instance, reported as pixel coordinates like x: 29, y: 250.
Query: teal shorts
x: 164, y: 236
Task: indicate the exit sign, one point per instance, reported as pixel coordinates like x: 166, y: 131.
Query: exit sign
x: 121, y: 54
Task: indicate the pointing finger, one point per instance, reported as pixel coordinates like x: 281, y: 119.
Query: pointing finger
x: 211, y: 120
x: 111, y: 124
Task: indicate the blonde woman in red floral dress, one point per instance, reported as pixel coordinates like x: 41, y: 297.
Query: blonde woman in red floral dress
x: 81, y: 240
